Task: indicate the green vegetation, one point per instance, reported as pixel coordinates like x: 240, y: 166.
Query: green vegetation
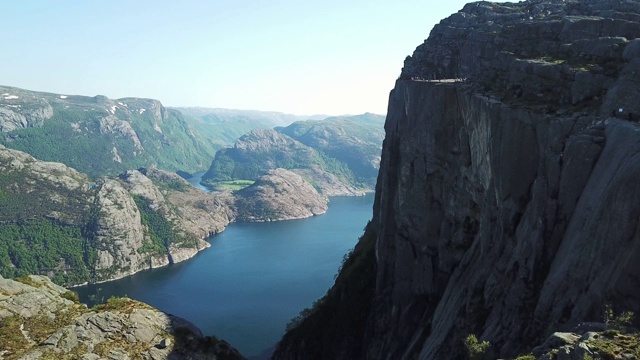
x: 354, y: 141
x: 43, y: 247
x: 348, y: 147
x: 78, y: 135
x: 71, y: 295
x: 11, y: 338
x: 616, y: 321
x: 121, y: 304
x: 161, y: 232
x: 612, y: 346
x: 238, y: 163
x: 233, y: 185
x: 478, y: 350
x: 526, y: 357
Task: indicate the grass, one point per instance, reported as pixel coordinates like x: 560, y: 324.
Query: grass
x: 612, y: 345
x: 11, y: 338
x: 233, y: 185
x: 121, y: 304
x: 28, y: 281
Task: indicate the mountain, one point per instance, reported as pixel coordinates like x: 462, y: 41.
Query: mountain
x: 40, y: 320
x: 56, y: 221
x: 223, y: 127
x: 259, y: 151
x: 99, y: 136
x: 279, y: 195
x: 353, y: 140
x: 507, y: 204
x: 339, y: 155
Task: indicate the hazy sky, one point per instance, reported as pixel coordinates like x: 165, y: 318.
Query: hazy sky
x: 295, y: 56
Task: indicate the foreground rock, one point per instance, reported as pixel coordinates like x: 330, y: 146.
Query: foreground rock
x: 279, y: 195
x: 507, y: 200
x: 40, y: 320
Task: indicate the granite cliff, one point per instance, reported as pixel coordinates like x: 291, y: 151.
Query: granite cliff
x: 506, y: 203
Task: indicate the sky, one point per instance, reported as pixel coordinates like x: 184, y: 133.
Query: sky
x: 295, y: 56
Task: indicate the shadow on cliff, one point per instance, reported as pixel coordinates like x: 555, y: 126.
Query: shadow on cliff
x: 191, y: 344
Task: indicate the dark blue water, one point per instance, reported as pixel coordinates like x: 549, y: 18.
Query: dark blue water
x: 254, y: 278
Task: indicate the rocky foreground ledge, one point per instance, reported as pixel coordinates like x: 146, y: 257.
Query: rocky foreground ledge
x: 41, y: 320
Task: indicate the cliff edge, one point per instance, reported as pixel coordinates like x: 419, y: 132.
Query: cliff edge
x: 506, y: 204
x: 40, y: 320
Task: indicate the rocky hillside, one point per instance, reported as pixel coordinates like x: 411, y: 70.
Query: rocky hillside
x: 353, y: 140
x: 100, y: 136
x: 506, y: 205
x: 223, y: 127
x: 338, y: 155
x: 259, y: 151
x: 40, y: 320
x: 279, y: 195
x: 56, y: 221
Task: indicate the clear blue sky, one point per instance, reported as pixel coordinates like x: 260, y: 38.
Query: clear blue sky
x: 295, y: 56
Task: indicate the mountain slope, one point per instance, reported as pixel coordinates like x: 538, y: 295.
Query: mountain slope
x: 100, y: 136
x: 223, y: 127
x: 506, y: 203
x: 56, y: 221
x: 353, y: 140
x: 338, y: 155
x: 259, y: 151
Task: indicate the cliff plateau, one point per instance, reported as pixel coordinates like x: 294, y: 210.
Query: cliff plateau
x: 506, y: 204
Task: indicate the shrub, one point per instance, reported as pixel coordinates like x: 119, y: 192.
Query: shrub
x: 70, y: 295
x: 611, y: 319
x: 478, y: 350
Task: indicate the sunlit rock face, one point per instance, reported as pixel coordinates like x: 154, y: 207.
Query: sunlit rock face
x: 506, y: 204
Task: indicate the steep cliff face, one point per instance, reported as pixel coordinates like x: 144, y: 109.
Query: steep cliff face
x: 506, y: 204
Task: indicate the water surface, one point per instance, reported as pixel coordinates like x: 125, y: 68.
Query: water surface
x: 254, y: 278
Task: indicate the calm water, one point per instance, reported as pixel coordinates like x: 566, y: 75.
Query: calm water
x: 254, y: 278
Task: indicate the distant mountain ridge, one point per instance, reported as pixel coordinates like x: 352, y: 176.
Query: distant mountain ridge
x: 101, y: 136
x: 338, y: 155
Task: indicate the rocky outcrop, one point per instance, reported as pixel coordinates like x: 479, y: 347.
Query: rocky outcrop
x: 506, y: 204
x: 279, y: 195
x: 119, y: 234
x: 20, y: 109
x: 40, y: 320
x: 112, y: 125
